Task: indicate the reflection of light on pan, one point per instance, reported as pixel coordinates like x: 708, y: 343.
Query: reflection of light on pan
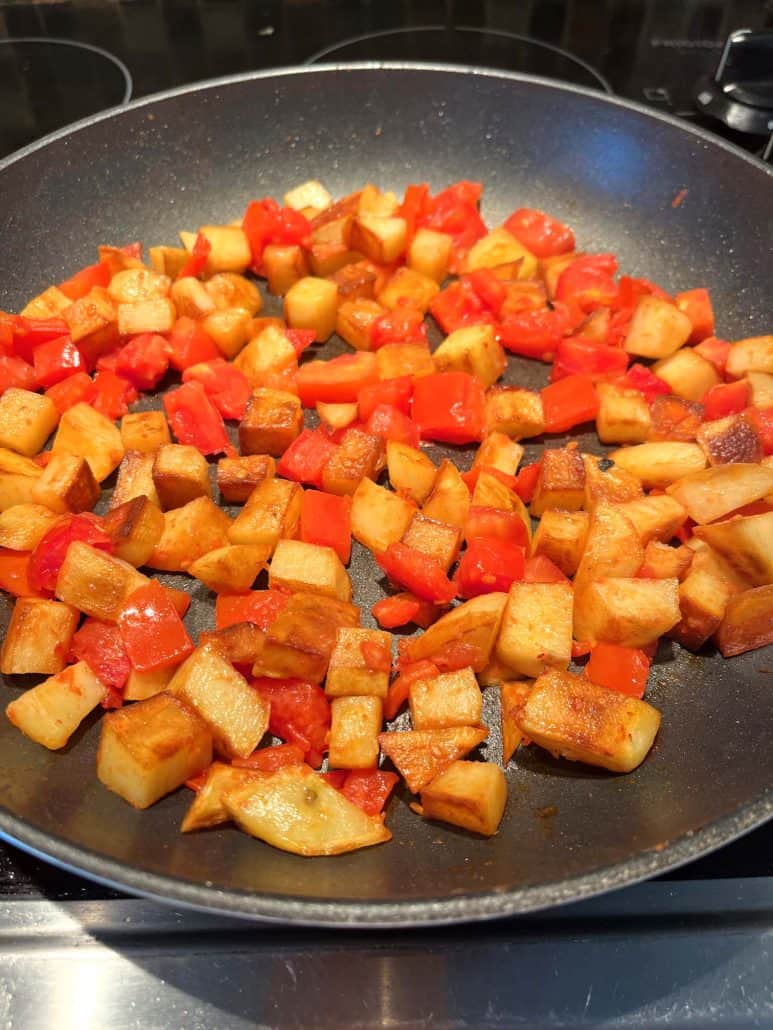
x: 46, y: 40
x: 445, y: 29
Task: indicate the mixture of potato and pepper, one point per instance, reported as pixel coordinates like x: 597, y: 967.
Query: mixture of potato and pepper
x: 549, y: 582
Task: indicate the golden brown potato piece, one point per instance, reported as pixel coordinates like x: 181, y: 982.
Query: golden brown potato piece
x: 52, y: 711
x: 180, y: 474
x: 513, y: 695
x: 360, y: 663
x: 660, y: 464
x: 135, y: 529
x: 207, y: 808
x: 353, y: 738
x: 467, y: 794
x: 712, y: 493
x: 238, y: 477
x: 379, y: 516
x: 359, y: 455
x: 231, y: 569
x: 272, y: 513
x: 27, y: 420
x: 472, y: 349
x: 273, y: 419
x: 421, y: 755
x: 514, y: 411
x: 190, y: 532
x: 95, y: 582
x: 561, y: 482
x: 632, y: 612
x: 473, y: 626
x: 561, y: 536
x: 135, y: 479
x: 612, y: 548
x: 746, y: 541
x: 313, y: 568
x: 450, y: 699
x: 66, y: 485
x: 748, y: 622
x: 86, y: 432
x: 436, y: 539
x: 536, y: 628
x: 411, y: 473
x: 449, y: 498
x: 23, y: 526
x: 38, y: 636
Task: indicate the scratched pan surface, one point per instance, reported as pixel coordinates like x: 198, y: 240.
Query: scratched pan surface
x: 611, y: 170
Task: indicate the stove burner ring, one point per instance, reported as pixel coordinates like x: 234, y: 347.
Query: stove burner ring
x: 366, y: 37
x: 76, y: 43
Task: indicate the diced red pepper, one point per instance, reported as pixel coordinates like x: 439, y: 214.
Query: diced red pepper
x: 112, y: 394
x: 762, y: 421
x: 326, y: 520
x: 540, y: 569
x: 415, y: 207
x: 151, y: 629
x: 55, y: 361
x: 189, y: 344
x: 568, y: 403
x: 194, y: 266
x: 14, y: 573
x: 535, y: 334
x: 300, y: 714
x: 101, y: 647
x: 259, y: 607
x: 300, y: 339
x: 226, y: 386
x: 15, y: 372
x: 450, y: 407
x: 401, y: 609
x: 459, y: 305
x: 337, y: 381
x: 335, y: 777
x: 305, y: 459
x: 588, y: 283
x: 574, y: 355
x: 369, y: 789
x: 471, y: 478
x: 488, y: 564
x: 266, y: 222
x: 630, y: 290
x: 455, y: 211
x: 396, y: 392
x: 195, y: 420
x: 725, y: 399
x: 76, y: 389
x: 716, y: 351
x: 390, y: 423
x: 46, y: 559
x: 639, y: 377
x: 696, y: 304
x: 143, y: 361
x: 526, y: 481
x: 539, y: 233
x: 400, y: 688
x: 84, y: 281
x: 269, y: 759
x: 403, y: 325
x: 490, y: 290
x: 625, y: 669
x: 497, y: 524
x: 420, y: 573
x: 29, y: 333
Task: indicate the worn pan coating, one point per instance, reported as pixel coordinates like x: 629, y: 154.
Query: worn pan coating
x: 609, y: 168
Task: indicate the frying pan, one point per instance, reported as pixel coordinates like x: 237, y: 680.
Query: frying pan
x: 611, y: 169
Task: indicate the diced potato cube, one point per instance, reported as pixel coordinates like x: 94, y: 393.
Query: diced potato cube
x: 48, y: 304
x: 632, y: 612
x: 354, y: 321
x: 498, y: 451
x: 142, y: 685
x: 238, y: 477
x: 473, y: 349
x: 144, y: 431
x: 167, y: 260
x: 703, y: 598
x: 467, y: 794
x: 513, y: 695
x: 229, y: 329
x: 536, y: 628
x: 657, y: 329
x: 237, y: 715
x: 500, y: 247
x: 754, y: 354
x: 180, y: 475
x: 267, y: 355
x: 146, y: 316
x: 66, y: 485
x: 473, y: 625
x: 410, y: 471
x: 353, y: 742
x: 38, y: 636
x: 380, y: 239
x: 421, y: 755
x: 450, y: 699
x: 135, y: 284
x: 309, y: 194
x: 406, y: 286
x: 297, y: 565
x: 192, y: 299
x: 576, y: 719
x: 664, y: 562
x: 605, y: 481
x: 95, y: 582
x: 85, y: 431
x: 360, y: 663
x: 135, y: 529
x: 404, y: 359
x: 379, y: 517
x: 189, y: 532
x: 150, y: 748
x: 747, y: 623
x: 27, y: 420
x: 437, y: 539
x: 760, y: 389
x: 337, y: 416
x: 561, y: 536
x: 717, y: 564
x: 53, y: 710
x: 746, y: 541
x: 273, y: 419
x: 207, y: 808
x: 373, y: 202
x: 612, y: 548
x: 449, y: 499
x: 301, y: 638
x: 230, y: 290
x: 516, y: 412
x: 654, y: 518
x: 285, y: 265
x: 360, y: 455
x: 230, y: 569
x: 90, y: 315
x: 660, y: 464
x: 311, y: 303
x: 624, y: 415
x: 23, y: 526
x: 561, y: 482
x: 687, y: 373
x: 729, y: 440
x: 272, y: 512
x: 430, y: 253
x: 710, y: 494
x: 356, y: 281
x: 230, y: 249
x: 295, y: 810
x: 135, y: 479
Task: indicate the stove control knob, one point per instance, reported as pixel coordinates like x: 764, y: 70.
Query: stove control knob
x: 740, y: 93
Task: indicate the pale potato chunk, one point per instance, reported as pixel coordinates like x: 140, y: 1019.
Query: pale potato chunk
x: 207, y: 808
x: 421, y: 755
x: 295, y: 810
x: 662, y: 463
x: 312, y: 303
x: 27, y: 420
x: 189, y: 532
x: 467, y: 794
x: 135, y: 529
x: 53, y: 710
x: 135, y: 479
x: 379, y: 517
x: 449, y: 499
x: 747, y: 623
x: 687, y: 373
x: 297, y: 565
x: 38, y: 636
x: 95, y: 582
x: 655, y: 518
x: 360, y: 663
x: 473, y: 349
x: 710, y: 494
x: 500, y: 247
x: 180, y: 474
x: 747, y: 544
x: 85, y: 431
x: 150, y: 748
x: 754, y: 354
x: 613, y: 547
x: 410, y: 471
x: 309, y: 194
x: 657, y: 328
x: 353, y: 740
x: 536, y: 629
x: 561, y: 536
x: 23, y: 526
x: 430, y: 253
x: 381, y: 239
x: 231, y: 569
x: 498, y: 451
x: 450, y: 699
x: 632, y: 612
x: 142, y: 685
x: 66, y: 485
x: 576, y: 719
x: 513, y: 695
x: 272, y: 512
x: 624, y: 415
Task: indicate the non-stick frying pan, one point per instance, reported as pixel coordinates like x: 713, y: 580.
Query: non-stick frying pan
x: 612, y: 170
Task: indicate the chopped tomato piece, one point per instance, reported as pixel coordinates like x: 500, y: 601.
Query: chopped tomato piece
x: 450, y: 407
x: 459, y: 305
x: 337, y: 381
x: 539, y: 233
x: 29, y: 333
x: 369, y: 789
x: 101, y: 647
x: 396, y: 392
x: 674, y: 418
x: 326, y: 520
x: 540, y: 569
x: 400, y: 688
x: 574, y: 355
x: 420, y: 573
x: 762, y: 421
x: 55, y: 361
x: 497, y: 524
x: 401, y: 609
x: 305, y: 459
x: 569, y: 402
x: 14, y: 573
x: 716, y: 351
x: 639, y: 377
x: 471, y: 478
x: 259, y: 607
x: 696, y: 304
x: 112, y: 394
x: 227, y: 387
x: 195, y: 420
x: 403, y: 325
x: 625, y: 669
x: 300, y: 714
x: 489, y: 289
x: 526, y: 481
x: 414, y: 207
x: 151, y: 629
x: 588, y: 283
x: 16, y: 372
x: 390, y: 423
x: 489, y: 564
x: 725, y: 399
x: 535, y: 334
x: 269, y: 759
x: 143, y: 360
x: 266, y: 222
x: 76, y: 389
x: 300, y: 339
x: 189, y: 344
x: 454, y: 211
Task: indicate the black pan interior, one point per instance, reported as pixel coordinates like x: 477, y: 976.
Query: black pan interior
x: 612, y: 170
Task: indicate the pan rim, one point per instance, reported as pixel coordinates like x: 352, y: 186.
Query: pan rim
x: 347, y: 913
